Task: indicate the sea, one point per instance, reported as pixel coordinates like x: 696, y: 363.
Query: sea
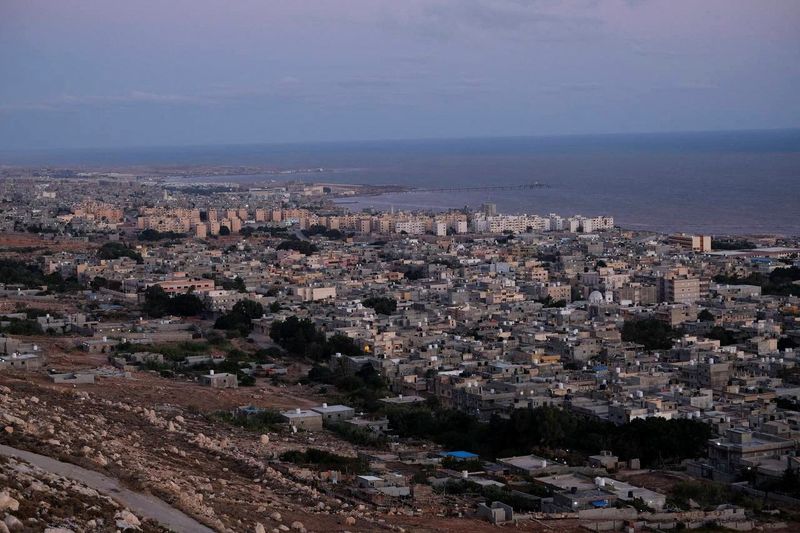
x: 719, y: 183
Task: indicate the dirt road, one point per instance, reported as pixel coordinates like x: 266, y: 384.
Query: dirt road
x: 142, y: 505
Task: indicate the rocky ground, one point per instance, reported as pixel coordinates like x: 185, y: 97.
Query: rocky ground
x: 34, y: 500
x: 216, y: 473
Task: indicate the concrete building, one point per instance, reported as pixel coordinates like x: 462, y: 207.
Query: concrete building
x: 219, y: 381
x: 334, y: 413
x: 313, y: 294
x: 695, y: 243
x: 303, y: 419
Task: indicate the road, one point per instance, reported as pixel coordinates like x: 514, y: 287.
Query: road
x: 142, y: 505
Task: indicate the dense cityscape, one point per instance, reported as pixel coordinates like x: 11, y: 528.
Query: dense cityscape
x: 261, y: 358
x: 412, y: 266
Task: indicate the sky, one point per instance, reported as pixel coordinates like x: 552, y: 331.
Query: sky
x: 118, y: 73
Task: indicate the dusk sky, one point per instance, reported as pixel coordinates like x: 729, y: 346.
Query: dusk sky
x: 95, y: 73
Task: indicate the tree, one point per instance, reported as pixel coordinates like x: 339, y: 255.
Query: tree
x: 153, y: 235
x: 158, y: 303
x: 705, y: 316
x: 300, y: 337
x: 98, y: 282
x: 115, y: 250
x: 235, y: 284
x: 304, y: 247
x: 249, y: 309
x: 724, y: 336
x: 240, y: 317
x: 651, y: 333
x: 381, y: 305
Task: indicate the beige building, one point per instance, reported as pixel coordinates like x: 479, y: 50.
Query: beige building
x: 696, y: 243
x: 312, y: 294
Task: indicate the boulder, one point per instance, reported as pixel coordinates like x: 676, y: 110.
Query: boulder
x: 127, y: 520
x: 13, y: 523
x: 7, y: 503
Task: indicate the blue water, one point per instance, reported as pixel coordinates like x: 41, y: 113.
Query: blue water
x: 719, y: 183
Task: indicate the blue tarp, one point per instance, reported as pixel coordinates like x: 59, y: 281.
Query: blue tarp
x: 459, y: 455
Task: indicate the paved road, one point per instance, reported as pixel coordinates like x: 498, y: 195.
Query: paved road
x: 141, y: 505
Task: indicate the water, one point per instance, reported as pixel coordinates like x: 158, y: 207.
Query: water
x: 719, y: 183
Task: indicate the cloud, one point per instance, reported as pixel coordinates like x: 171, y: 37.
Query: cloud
x: 538, y: 20
x: 68, y: 101
x: 696, y: 86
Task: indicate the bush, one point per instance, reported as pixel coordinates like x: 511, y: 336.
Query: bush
x: 325, y: 461
x: 22, y: 327
x: 358, y: 436
x: 266, y: 420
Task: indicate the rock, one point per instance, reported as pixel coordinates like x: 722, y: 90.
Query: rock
x: 260, y: 528
x: 276, y: 516
x: 58, y: 530
x: 350, y: 521
x: 7, y: 503
x: 298, y: 526
x: 170, y: 426
x: 180, y: 420
x: 13, y: 523
x: 8, y: 429
x: 127, y: 520
x: 4, y: 528
x: 264, y: 439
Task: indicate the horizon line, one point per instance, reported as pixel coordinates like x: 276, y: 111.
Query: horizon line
x: 21, y: 151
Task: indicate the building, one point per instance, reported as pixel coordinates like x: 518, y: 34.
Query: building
x: 683, y: 289
x: 334, y: 413
x: 695, y: 243
x: 24, y: 361
x: 303, y: 419
x: 180, y: 286
x: 496, y: 513
x: 219, y: 381
x: 313, y: 294
x: 742, y: 449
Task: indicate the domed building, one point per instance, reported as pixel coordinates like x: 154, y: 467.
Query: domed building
x: 596, y: 298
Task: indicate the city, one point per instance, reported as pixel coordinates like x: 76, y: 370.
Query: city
x: 260, y: 357
x: 411, y: 266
